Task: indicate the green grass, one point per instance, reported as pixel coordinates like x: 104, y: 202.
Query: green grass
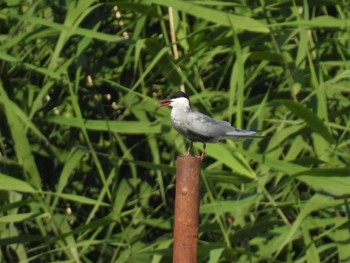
x: 87, y: 161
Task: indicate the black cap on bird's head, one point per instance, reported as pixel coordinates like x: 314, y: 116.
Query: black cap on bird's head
x: 179, y: 94
x: 172, y: 98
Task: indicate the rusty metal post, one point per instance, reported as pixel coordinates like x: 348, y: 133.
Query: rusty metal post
x: 186, y: 209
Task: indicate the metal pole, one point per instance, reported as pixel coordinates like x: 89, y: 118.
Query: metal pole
x: 186, y: 209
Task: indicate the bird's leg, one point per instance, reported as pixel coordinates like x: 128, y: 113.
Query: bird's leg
x: 189, y: 149
x: 203, y: 152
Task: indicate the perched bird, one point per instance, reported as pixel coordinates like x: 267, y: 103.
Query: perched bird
x: 198, y: 127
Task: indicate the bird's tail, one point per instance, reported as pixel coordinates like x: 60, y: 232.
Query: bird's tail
x: 243, y: 134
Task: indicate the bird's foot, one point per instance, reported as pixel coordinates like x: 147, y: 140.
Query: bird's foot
x: 189, y: 150
x: 201, y: 157
x: 203, y: 152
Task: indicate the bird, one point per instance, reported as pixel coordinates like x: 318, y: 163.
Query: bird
x: 198, y: 127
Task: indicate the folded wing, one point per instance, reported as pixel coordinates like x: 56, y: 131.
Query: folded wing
x: 203, y: 125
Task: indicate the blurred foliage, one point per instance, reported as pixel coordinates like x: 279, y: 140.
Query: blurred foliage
x: 87, y: 161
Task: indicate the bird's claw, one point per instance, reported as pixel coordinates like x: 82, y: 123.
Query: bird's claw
x: 201, y: 157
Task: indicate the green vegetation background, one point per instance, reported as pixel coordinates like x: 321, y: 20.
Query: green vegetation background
x: 87, y: 159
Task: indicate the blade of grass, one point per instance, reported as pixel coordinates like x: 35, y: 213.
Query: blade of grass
x: 21, y: 143
x: 126, y: 127
x: 312, y: 120
x: 215, y: 16
x: 231, y: 159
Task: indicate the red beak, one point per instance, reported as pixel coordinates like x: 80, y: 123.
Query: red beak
x: 164, y: 103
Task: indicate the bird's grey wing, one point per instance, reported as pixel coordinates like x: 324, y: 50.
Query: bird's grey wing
x: 206, y: 126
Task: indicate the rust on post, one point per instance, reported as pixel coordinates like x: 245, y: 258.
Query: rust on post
x: 186, y: 209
